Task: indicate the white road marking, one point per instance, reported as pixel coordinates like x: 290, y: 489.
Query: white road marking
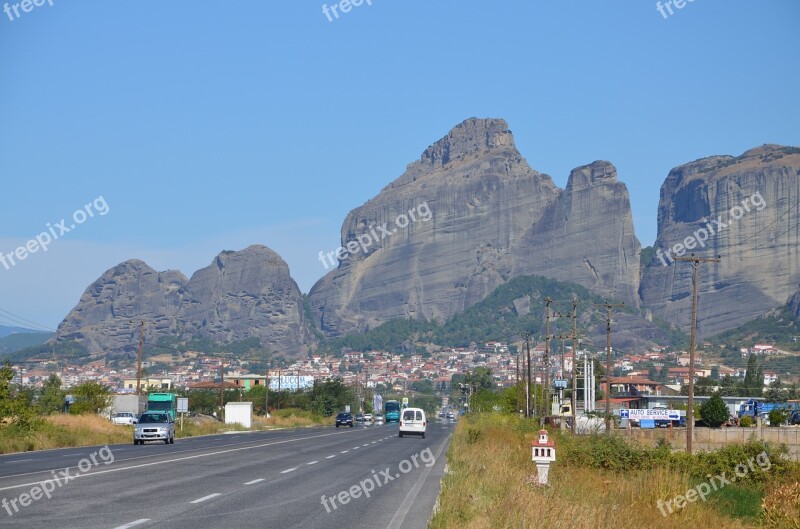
x: 397, y: 520
x: 133, y: 524
x: 18, y: 461
x: 365, y: 444
x: 356, y: 447
x: 205, y: 498
x: 344, y: 451
x: 161, y: 462
x: 331, y: 457
x: 254, y: 481
x: 312, y: 463
x: 288, y: 470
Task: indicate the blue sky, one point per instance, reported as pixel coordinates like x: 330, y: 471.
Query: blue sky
x: 210, y: 126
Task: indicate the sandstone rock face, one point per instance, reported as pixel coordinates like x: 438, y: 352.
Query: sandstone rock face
x: 491, y: 218
x: 240, y: 295
x: 247, y: 294
x: 743, y: 209
x: 586, y: 236
x: 794, y: 304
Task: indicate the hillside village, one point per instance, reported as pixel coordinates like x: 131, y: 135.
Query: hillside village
x: 657, y: 371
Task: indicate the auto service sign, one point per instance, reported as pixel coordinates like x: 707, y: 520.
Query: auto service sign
x: 661, y: 414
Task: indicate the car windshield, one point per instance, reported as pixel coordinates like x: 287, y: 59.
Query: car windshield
x: 153, y: 418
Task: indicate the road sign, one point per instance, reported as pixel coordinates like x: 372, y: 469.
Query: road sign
x: 405, y: 402
x: 183, y: 405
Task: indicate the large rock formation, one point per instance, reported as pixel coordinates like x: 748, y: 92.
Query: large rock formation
x: 743, y: 209
x: 586, y: 236
x: 240, y: 295
x: 490, y: 217
x: 794, y: 304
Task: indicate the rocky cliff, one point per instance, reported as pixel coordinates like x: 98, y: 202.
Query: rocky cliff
x: 794, y: 304
x: 489, y: 217
x: 744, y: 210
x: 240, y: 295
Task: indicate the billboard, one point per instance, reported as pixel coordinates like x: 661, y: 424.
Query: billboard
x: 377, y: 403
x: 290, y: 382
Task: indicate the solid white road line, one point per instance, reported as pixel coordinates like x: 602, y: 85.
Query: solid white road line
x: 18, y: 461
x: 254, y: 481
x: 205, y: 498
x: 133, y: 524
x: 288, y: 470
x: 397, y: 520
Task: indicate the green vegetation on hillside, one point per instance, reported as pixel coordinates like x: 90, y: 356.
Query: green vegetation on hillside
x: 778, y: 327
x: 15, y: 342
x: 494, y: 318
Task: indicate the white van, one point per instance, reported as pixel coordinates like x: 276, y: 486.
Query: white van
x: 413, y: 421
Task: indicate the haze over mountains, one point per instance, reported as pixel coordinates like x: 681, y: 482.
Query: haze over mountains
x: 492, y: 218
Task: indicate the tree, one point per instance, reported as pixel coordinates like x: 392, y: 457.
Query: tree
x: 90, y: 397
x: 481, y: 377
x: 775, y: 393
x: 751, y: 374
x: 714, y: 411
x: 14, y: 408
x: 52, y: 396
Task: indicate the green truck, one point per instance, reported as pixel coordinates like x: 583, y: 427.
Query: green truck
x: 163, y: 402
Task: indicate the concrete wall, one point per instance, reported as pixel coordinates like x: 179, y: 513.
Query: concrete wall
x: 713, y: 438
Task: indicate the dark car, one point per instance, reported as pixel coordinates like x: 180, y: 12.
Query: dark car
x: 359, y: 417
x: 794, y: 418
x: 344, y: 419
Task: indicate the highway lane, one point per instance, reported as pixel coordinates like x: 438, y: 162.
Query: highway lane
x: 245, y: 480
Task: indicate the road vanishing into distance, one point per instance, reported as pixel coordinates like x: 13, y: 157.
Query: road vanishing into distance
x: 260, y: 479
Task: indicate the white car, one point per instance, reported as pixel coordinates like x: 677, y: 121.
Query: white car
x: 367, y: 417
x: 379, y: 419
x: 123, y: 417
x: 413, y: 421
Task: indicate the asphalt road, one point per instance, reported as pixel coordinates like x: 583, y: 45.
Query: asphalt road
x: 262, y: 479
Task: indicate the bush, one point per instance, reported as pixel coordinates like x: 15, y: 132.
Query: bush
x: 746, y: 422
x: 778, y: 416
x: 714, y: 411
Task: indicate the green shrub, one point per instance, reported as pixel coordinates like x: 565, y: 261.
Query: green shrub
x: 746, y: 422
x: 714, y: 411
x: 778, y: 416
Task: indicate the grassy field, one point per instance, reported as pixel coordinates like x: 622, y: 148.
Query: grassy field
x: 66, y: 431
x: 490, y: 485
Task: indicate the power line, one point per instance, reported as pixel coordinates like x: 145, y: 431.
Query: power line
x: 24, y: 322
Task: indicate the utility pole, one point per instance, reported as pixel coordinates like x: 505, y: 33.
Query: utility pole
x: 574, y: 362
x: 547, y: 302
x: 266, y: 394
x: 528, y: 385
x: 609, y: 307
x: 696, y: 262
x: 516, y: 386
x: 139, y: 369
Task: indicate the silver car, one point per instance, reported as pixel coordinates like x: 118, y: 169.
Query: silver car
x: 154, y: 427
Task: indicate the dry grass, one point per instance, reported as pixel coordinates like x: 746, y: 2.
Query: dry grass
x: 63, y: 431
x: 489, y: 487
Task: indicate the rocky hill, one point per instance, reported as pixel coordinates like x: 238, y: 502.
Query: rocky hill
x: 491, y: 218
x: 744, y: 210
x: 239, y: 295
